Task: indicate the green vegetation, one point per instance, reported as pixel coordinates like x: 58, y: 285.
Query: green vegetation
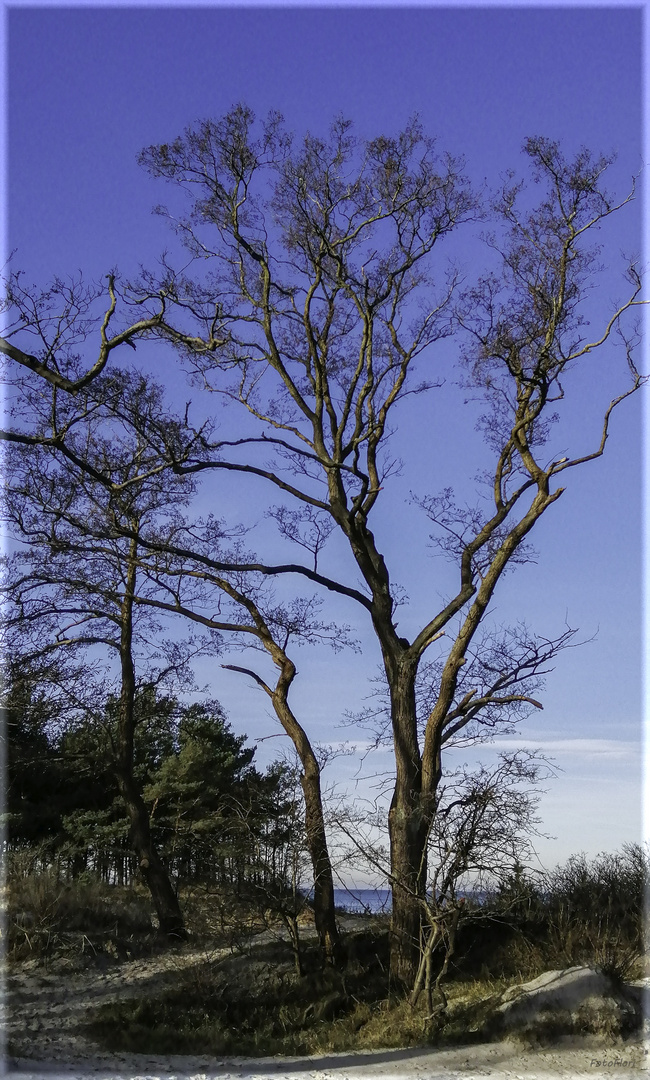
x: 243, y: 997
x: 308, y: 289
x: 214, y: 817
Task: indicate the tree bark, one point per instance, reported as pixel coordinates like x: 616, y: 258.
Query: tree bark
x: 324, y: 913
x: 164, y: 898
x: 408, y: 852
x: 407, y: 827
x: 316, y: 836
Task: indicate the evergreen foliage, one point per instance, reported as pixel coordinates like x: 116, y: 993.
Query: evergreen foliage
x: 215, y: 817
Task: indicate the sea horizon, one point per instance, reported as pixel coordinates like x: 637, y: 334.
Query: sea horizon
x: 376, y: 901
x: 360, y: 900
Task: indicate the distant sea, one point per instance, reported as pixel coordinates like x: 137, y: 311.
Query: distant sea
x: 377, y: 900
x: 360, y: 900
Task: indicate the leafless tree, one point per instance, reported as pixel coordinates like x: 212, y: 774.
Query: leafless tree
x: 93, y: 499
x: 320, y: 255
x: 75, y: 585
x: 481, y: 833
x: 482, y: 830
x: 310, y: 304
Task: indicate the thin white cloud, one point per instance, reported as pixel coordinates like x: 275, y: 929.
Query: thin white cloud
x: 612, y: 748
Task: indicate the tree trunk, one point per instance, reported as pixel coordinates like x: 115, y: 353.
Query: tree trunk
x: 324, y: 914
x: 407, y: 827
x: 423, y: 980
x: 407, y: 844
x: 163, y: 896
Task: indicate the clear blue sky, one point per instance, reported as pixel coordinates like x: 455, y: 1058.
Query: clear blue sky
x: 88, y: 88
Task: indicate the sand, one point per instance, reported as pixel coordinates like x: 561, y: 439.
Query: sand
x: 45, y: 1010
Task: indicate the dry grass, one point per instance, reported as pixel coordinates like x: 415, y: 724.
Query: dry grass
x: 256, y: 1005
x: 253, y: 1003
x: 44, y: 913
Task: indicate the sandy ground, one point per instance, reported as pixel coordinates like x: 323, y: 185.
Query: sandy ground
x: 500, y: 1061
x: 44, y: 1012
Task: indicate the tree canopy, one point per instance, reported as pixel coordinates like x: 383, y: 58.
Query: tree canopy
x: 311, y: 298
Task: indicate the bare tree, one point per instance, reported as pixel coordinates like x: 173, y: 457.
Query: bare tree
x: 91, y: 492
x: 254, y: 620
x: 481, y: 832
x: 311, y: 301
x: 320, y: 255
x: 75, y: 585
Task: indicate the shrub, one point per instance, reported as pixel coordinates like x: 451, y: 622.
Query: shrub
x: 584, y: 912
x: 42, y: 906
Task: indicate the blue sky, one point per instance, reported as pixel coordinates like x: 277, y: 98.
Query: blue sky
x: 88, y: 88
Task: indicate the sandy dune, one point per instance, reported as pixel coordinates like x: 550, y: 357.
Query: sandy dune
x: 45, y: 1010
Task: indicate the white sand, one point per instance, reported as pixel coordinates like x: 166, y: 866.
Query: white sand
x: 500, y: 1061
x: 45, y: 1010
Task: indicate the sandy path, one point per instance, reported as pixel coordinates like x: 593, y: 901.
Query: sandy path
x: 44, y: 1012
x: 499, y: 1061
